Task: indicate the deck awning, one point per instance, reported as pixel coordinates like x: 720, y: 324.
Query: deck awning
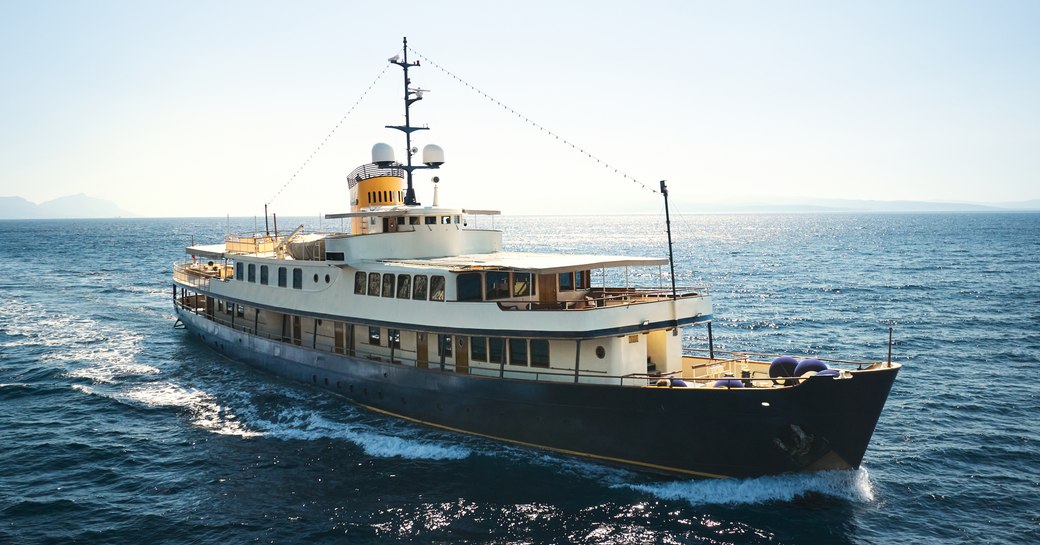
x: 208, y: 251
x: 527, y: 262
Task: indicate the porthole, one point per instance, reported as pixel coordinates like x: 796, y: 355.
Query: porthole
x: 328, y: 279
x: 601, y: 352
x: 315, y: 278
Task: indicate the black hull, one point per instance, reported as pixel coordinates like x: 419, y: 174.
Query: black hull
x: 821, y: 424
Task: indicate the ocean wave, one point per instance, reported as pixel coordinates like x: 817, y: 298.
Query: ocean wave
x: 854, y: 486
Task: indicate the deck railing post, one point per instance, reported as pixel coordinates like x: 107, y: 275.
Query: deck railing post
x: 577, y: 358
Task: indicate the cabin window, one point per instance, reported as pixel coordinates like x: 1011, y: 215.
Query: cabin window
x: 496, y: 350
x: 373, y: 284
x: 404, y: 286
x: 252, y: 272
x: 414, y: 220
x: 282, y: 278
x: 315, y: 278
x: 539, y: 353
x: 445, y: 219
x: 334, y: 256
x: 521, y: 284
x: 297, y: 278
x: 388, y: 285
x: 420, y: 287
x: 478, y: 348
x: 263, y: 274
x: 518, y: 351
x: 579, y: 280
x: 240, y: 310
x: 229, y: 308
x: 436, y: 288
x: 373, y: 336
x: 444, y: 345
x: 458, y: 219
x: 239, y: 271
x: 431, y: 220
x: 467, y: 287
x: 496, y: 284
x: 360, y: 282
x: 566, y: 281
x: 393, y: 338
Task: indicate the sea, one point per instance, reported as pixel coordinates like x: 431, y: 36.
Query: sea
x: 118, y: 428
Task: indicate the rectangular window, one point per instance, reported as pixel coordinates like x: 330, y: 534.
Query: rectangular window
x: 496, y: 284
x: 297, y: 278
x: 445, y: 220
x: 467, y: 287
x: 436, y: 288
x: 263, y: 274
x: 539, y: 353
x: 230, y: 308
x: 444, y: 345
x: 420, y: 287
x: 496, y: 350
x: 360, y: 279
x: 478, y: 348
x: 518, y: 351
x: 240, y: 310
x: 334, y: 256
x: 566, y: 281
x: 373, y: 284
x: 414, y: 220
x: 373, y: 336
x: 404, y: 286
x: 521, y: 284
x: 430, y: 220
x: 388, y: 285
x: 252, y: 272
x: 393, y: 338
x: 239, y: 271
x: 579, y: 280
x: 282, y: 278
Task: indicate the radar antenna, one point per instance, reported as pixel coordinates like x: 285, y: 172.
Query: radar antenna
x: 433, y: 156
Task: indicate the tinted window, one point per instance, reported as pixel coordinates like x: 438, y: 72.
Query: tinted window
x: 373, y: 284
x: 436, y: 288
x: 467, y: 287
x: 496, y: 349
x: 252, y: 272
x: 404, y: 286
x: 539, y: 353
x: 566, y: 281
x: 388, y: 285
x: 239, y: 271
x: 521, y: 284
x: 360, y: 279
x: 579, y: 280
x: 518, y: 351
x: 478, y: 348
x: 297, y: 278
x: 420, y: 287
x: 430, y: 220
x: 263, y: 274
x: 496, y: 284
x: 373, y: 335
x: 282, y: 278
x: 444, y: 345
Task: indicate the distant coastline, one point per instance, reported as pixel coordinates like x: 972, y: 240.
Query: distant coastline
x: 69, y: 207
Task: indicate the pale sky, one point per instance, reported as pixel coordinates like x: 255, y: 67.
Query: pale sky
x: 209, y: 108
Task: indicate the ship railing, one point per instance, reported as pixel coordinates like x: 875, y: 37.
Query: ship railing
x: 714, y: 357
x: 607, y: 297
x: 197, y: 275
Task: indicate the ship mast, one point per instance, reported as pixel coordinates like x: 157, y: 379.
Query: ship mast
x: 433, y: 156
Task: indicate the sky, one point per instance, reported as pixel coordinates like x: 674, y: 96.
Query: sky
x: 215, y: 108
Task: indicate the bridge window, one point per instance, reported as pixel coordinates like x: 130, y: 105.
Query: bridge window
x: 263, y: 274
x: 297, y: 278
x: 251, y: 275
x: 467, y: 287
x: 373, y: 284
x: 388, y: 285
x: 496, y: 284
x: 239, y: 271
x: 436, y: 288
x: 521, y: 284
x: 282, y: 278
x: 404, y: 286
x: 420, y: 287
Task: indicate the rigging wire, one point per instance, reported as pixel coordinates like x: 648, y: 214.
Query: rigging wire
x: 327, y: 136
x: 533, y: 124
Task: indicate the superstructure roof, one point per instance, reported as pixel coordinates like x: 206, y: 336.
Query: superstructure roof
x: 527, y: 262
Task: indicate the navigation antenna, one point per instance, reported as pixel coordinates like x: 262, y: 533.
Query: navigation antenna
x: 433, y: 156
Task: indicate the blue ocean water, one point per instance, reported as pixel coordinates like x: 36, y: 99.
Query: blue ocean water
x: 117, y: 428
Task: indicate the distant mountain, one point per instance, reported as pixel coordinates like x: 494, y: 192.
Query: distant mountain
x: 809, y: 205
x: 72, y: 206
